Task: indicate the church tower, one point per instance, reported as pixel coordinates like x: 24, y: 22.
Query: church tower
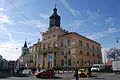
x: 25, y: 49
x: 54, y: 19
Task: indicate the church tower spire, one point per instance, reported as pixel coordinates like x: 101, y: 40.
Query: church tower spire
x: 25, y: 49
x: 25, y: 44
x: 54, y: 19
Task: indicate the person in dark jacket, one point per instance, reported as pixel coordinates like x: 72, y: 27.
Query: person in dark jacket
x: 76, y: 74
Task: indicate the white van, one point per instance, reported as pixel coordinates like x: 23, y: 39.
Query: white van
x: 98, y: 67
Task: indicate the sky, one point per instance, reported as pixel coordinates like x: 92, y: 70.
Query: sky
x: 98, y: 20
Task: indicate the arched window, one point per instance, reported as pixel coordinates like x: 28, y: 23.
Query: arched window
x: 81, y: 52
x: 88, y: 54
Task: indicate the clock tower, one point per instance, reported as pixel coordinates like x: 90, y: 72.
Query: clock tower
x: 54, y: 19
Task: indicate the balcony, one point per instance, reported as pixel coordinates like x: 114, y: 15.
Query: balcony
x: 50, y: 49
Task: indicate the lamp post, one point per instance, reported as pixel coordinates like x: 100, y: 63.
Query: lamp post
x: 116, y: 60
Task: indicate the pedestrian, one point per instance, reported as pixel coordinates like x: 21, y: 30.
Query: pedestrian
x: 76, y: 74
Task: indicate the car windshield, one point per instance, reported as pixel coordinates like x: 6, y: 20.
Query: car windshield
x: 82, y: 70
x: 95, y: 67
x: 42, y: 70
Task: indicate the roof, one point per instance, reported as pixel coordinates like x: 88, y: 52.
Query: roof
x: 78, y: 35
x: 25, y: 44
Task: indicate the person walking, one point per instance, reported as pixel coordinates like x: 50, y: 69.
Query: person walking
x: 76, y: 74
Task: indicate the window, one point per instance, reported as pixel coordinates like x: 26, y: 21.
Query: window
x: 98, y: 62
x: 77, y: 62
x: 47, y: 45
x: 54, y: 35
x: 61, y: 43
x: 69, y: 62
x: 93, y: 54
x: 24, y: 52
x: 62, y: 62
x: 88, y: 62
x: 68, y: 42
x: 98, y: 55
x: 87, y: 45
x: 81, y: 52
x: 82, y: 61
x: 39, y: 48
x: 97, y: 49
x: 80, y: 43
x: 94, y: 61
x: 93, y: 47
x: 62, y: 52
x: 65, y: 57
x: 88, y: 54
x: 69, y: 52
x: 48, y: 37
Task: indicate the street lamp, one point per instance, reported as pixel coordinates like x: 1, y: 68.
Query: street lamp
x: 116, y: 60
x: 117, y: 41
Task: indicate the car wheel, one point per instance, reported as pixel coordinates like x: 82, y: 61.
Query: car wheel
x: 53, y: 75
x: 38, y: 76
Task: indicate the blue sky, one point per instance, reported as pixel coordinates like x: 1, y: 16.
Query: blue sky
x: 98, y: 20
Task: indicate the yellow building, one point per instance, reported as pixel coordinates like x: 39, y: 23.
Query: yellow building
x: 60, y: 48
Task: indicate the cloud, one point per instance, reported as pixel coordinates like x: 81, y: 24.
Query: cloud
x: 11, y: 4
x: 95, y: 23
x: 4, y: 31
x: 76, y: 23
x: 94, y: 15
x: 1, y: 9
x: 104, y: 33
x: 24, y: 33
x: 5, y: 18
x: 36, y: 23
x: 30, y: 36
x: 45, y: 16
x: 73, y: 11
x: 8, y: 49
x: 109, y: 19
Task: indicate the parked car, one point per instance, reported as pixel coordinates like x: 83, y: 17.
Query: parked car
x: 98, y: 67
x: 45, y: 73
x: 84, y: 72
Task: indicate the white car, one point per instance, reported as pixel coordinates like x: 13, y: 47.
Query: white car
x: 98, y: 67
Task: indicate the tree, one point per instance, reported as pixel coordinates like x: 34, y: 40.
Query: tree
x: 113, y: 54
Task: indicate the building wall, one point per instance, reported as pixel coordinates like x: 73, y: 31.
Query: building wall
x: 67, y: 50
x: 80, y: 55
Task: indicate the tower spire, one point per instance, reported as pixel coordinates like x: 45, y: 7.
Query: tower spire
x: 54, y: 19
x: 55, y: 5
x: 25, y: 44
